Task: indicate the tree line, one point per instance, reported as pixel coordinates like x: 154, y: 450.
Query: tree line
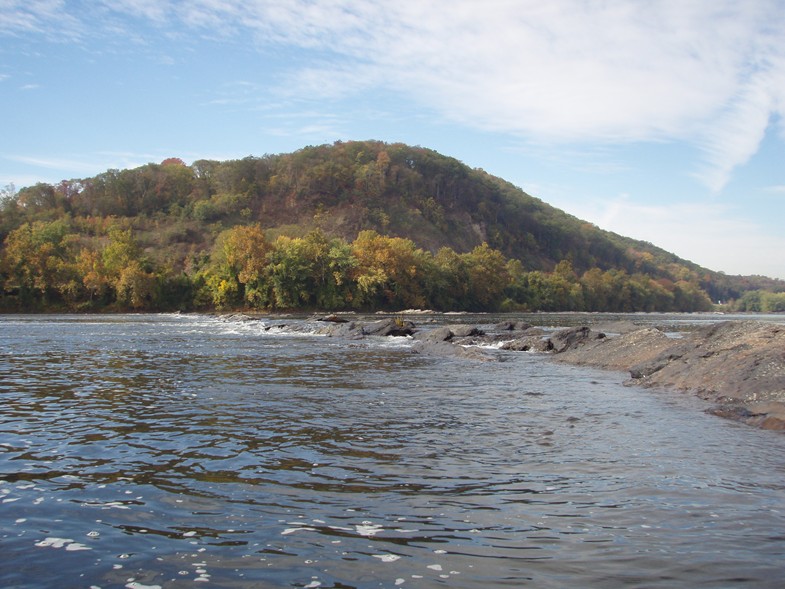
x: 291, y: 231
x: 95, y: 264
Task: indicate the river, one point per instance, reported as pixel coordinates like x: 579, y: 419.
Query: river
x: 173, y: 451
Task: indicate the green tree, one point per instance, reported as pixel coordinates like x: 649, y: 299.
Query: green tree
x: 488, y: 277
x: 35, y: 259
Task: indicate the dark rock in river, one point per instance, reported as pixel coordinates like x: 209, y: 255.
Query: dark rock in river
x: 358, y: 329
x: 573, y: 337
x: 621, y: 352
x: 439, y: 334
x: 333, y: 319
x: 465, y: 330
x: 389, y: 327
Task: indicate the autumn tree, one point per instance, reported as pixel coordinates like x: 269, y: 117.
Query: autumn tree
x: 236, y: 273
x: 390, y: 271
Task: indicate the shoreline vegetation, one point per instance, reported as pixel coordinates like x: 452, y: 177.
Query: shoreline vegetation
x: 361, y: 225
x: 737, y: 366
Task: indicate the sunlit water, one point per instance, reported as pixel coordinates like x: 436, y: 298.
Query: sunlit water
x: 184, y: 451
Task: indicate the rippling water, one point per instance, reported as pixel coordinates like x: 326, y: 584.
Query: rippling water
x: 175, y: 451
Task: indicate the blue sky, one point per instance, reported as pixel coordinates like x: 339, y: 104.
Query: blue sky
x: 661, y: 120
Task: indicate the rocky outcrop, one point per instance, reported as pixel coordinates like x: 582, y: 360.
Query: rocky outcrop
x: 574, y: 338
x: 359, y: 329
x: 740, y: 365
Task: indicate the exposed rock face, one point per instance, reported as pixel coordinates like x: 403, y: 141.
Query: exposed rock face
x: 739, y: 364
x: 620, y: 352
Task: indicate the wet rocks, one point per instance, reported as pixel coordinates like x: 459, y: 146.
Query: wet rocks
x: 359, y: 329
x: 574, y: 337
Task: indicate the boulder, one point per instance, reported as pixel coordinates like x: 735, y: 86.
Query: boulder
x: 465, y: 330
x: 573, y: 337
x: 389, y: 327
x: 439, y: 334
x: 622, y: 352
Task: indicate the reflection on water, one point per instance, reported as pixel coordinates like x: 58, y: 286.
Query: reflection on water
x: 144, y: 451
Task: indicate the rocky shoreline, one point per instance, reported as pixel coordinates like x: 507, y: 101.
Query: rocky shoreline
x: 739, y: 366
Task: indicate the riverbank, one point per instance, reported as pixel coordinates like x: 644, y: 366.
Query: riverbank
x: 738, y: 366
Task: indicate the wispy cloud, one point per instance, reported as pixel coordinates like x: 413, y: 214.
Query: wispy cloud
x: 711, y: 72
x: 708, y: 71
x: 49, y: 17
x: 54, y: 163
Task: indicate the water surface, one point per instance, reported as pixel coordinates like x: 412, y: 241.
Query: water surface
x: 182, y: 451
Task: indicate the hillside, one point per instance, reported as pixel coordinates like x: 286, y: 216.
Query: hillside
x: 173, y: 219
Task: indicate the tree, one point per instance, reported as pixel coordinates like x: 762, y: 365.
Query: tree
x: 390, y: 271
x: 488, y: 277
x: 449, y: 283
x: 236, y: 271
x: 35, y: 257
x: 135, y: 286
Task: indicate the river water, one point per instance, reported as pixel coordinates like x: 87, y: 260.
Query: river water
x: 174, y: 451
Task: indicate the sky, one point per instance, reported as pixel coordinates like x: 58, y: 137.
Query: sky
x: 661, y: 120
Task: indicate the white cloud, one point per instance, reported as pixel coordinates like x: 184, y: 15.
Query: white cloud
x: 711, y: 72
x: 55, y: 163
x: 50, y: 17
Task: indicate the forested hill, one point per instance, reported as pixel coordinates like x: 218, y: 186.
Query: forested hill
x: 349, y: 225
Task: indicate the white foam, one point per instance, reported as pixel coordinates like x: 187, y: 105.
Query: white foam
x: 288, y: 531
x: 387, y: 557
x: 368, y: 529
x: 66, y: 543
